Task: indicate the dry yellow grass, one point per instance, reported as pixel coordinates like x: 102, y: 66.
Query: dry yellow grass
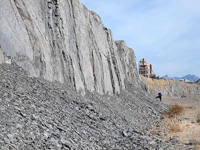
x: 174, y: 109
x: 175, y: 128
x: 143, y: 131
x: 162, y: 117
x: 154, y: 132
x: 183, y: 126
x: 157, y: 125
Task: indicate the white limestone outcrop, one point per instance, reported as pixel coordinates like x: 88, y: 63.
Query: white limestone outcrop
x: 61, y: 40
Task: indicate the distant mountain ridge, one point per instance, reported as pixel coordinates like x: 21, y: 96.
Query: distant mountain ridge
x: 189, y: 76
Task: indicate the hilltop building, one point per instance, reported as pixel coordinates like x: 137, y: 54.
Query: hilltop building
x: 145, y: 68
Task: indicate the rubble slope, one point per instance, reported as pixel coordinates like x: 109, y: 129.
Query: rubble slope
x: 37, y: 114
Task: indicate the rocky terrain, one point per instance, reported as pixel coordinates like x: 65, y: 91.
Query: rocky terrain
x: 66, y: 84
x: 172, y: 87
x: 37, y: 114
x: 184, y: 127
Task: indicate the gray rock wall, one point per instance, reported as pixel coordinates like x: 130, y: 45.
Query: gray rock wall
x: 172, y: 87
x: 60, y: 40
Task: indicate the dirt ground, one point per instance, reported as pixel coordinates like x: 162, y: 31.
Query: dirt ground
x: 185, y: 127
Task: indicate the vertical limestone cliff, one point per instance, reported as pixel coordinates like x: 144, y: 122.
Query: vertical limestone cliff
x: 60, y: 40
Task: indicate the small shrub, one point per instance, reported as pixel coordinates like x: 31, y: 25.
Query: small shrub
x: 174, y: 109
x: 143, y: 131
x: 154, y: 132
x: 198, y: 117
x: 175, y: 128
x: 162, y: 117
x: 165, y: 134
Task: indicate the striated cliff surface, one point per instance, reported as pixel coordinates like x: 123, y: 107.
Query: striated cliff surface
x: 60, y: 40
x: 172, y: 87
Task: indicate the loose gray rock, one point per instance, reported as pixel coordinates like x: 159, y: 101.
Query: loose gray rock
x: 37, y: 114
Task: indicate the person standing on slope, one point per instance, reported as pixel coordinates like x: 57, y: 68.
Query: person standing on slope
x: 159, y: 96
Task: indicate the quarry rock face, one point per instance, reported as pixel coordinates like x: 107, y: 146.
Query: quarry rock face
x: 60, y: 40
x: 172, y: 87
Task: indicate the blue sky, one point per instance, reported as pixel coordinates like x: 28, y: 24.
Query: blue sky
x: 165, y: 32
